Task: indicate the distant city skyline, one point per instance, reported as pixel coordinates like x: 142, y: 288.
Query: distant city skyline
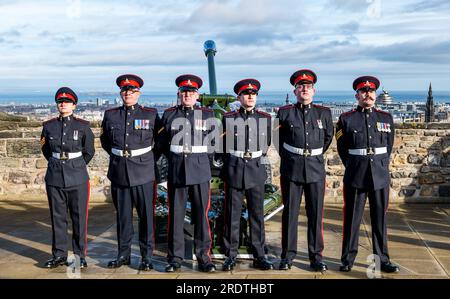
x: 86, y: 45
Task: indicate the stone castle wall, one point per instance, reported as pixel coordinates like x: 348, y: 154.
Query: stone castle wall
x: 420, y: 164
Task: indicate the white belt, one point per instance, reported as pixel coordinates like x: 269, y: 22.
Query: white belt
x: 130, y: 153
x: 302, y: 152
x: 246, y: 155
x: 196, y: 149
x: 66, y: 156
x: 370, y: 151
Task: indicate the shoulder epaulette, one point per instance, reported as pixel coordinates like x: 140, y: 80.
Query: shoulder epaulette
x: 348, y: 112
x: 290, y: 106
x: 321, y: 107
x: 171, y: 108
x: 263, y: 113
x: 230, y: 113
x: 81, y: 120
x: 111, y: 109
x: 149, y: 109
x: 49, y: 121
x: 204, y: 109
x: 384, y: 112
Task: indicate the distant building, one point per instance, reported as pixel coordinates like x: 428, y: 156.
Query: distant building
x: 385, y: 98
x: 429, y: 112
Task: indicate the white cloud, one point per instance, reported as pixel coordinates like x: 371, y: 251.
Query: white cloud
x: 54, y: 41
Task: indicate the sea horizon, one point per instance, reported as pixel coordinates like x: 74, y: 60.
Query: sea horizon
x: 274, y: 97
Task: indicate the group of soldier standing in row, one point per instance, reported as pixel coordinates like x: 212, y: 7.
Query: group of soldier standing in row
x: 135, y: 137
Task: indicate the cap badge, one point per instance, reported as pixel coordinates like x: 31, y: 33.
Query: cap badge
x: 189, y: 83
x: 367, y: 83
x: 127, y: 81
x: 250, y: 86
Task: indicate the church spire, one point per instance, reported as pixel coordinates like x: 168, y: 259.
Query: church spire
x: 429, y: 112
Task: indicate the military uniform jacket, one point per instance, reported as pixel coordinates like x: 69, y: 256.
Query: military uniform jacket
x: 188, y: 127
x: 245, y: 132
x: 130, y: 128
x: 67, y: 135
x: 365, y: 129
x: 306, y: 127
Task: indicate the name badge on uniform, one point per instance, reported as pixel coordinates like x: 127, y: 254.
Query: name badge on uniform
x: 200, y: 124
x: 75, y: 135
x: 384, y: 127
x: 141, y: 124
x: 319, y: 123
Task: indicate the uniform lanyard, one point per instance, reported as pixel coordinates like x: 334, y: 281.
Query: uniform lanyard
x: 62, y: 134
x: 304, y: 126
x: 247, y: 146
x: 366, y: 116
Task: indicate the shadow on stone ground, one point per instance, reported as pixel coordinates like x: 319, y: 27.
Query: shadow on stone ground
x: 419, y: 241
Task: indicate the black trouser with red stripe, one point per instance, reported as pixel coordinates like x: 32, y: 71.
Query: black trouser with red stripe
x: 76, y: 200
x: 199, y: 196
x: 233, y: 212
x: 143, y: 197
x: 314, y: 197
x: 354, y: 202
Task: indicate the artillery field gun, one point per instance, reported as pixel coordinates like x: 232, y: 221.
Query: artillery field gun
x: 272, y: 202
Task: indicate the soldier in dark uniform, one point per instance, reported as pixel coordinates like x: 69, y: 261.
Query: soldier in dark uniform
x: 247, y: 134
x: 183, y: 139
x: 68, y: 145
x: 127, y: 135
x: 365, y: 137
x: 306, y: 132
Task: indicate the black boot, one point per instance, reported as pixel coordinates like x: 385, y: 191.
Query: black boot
x: 119, y: 262
x: 55, y: 262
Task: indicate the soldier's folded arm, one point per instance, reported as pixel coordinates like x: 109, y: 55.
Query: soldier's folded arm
x: 211, y: 141
x: 88, y: 145
x: 278, y: 131
x: 157, y: 129
x: 45, y: 146
x: 341, y: 141
x: 269, y: 136
x: 329, y: 131
x: 391, y: 136
x: 162, y: 141
x: 104, y: 140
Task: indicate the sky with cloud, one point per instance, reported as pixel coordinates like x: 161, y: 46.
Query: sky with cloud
x: 87, y: 44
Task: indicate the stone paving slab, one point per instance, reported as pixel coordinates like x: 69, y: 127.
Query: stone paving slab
x: 419, y: 237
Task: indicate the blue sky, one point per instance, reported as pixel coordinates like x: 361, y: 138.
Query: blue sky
x: 87, y: 44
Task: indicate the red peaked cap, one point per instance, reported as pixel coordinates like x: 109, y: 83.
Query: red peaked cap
x: 189, y: 82
x: 303, y: 76
x: 129, y: 80
x: 66, y: 93
x: 366, y: 82
x: 247, y: 84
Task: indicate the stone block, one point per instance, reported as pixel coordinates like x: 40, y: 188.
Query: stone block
x: 431, y: 178
x: 23, y: 148
x: 19, y: 177
x: 10, y: 134
x: 41, y: 163
x: 416, y: 158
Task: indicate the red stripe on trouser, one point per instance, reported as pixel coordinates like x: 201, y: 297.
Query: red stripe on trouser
x: 343, y: 213
x: 323, y: 208
x: 154, y: 214
x: 225, y: 211
x: 207, y: 221
x: 282, y: 197
x: 168, y: 216
x: 87, y: 217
